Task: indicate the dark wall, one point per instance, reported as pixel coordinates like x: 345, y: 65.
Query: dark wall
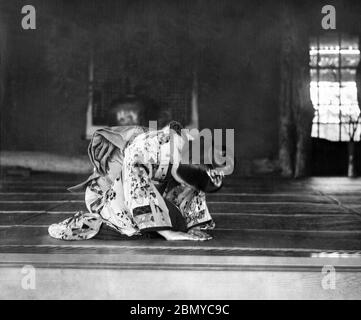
x: 233, y: 45
x: 45, y: 98
x: 245, y: 93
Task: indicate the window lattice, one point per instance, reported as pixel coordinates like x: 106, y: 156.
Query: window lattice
x: 333, y: 62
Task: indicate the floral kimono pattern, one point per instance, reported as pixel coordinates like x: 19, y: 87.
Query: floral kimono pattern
x: 130, y: 201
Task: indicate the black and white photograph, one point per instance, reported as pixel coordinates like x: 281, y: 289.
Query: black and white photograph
x: 180, y: 150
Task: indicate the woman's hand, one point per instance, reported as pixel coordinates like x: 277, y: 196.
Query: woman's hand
x: 192, y: 235
x: 216, y: 176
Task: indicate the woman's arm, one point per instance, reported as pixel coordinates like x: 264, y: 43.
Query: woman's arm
x: 176, y: 157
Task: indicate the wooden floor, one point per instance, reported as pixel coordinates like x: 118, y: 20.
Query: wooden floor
x: 263, y: 226
x: 270, y: 216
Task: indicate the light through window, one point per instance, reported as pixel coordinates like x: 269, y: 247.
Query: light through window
x: 333, y: 62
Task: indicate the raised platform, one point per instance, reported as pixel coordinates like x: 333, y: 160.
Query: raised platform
x: 273, y: 239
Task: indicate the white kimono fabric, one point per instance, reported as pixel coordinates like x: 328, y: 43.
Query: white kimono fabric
x: 128, y: 199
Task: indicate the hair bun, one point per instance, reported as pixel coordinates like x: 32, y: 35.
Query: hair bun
x: 176, y: 126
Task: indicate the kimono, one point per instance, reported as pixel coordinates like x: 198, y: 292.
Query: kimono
x: 138, y: 193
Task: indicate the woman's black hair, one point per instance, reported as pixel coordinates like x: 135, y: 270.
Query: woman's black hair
x: 176, y: 126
